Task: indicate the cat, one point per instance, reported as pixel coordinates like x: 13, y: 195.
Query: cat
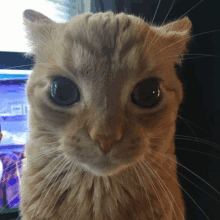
x: 104, y: 98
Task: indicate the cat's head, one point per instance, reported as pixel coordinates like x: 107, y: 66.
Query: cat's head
x: 103, y: 86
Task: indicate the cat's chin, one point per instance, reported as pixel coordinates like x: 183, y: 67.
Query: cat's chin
x: 104, y: 170
x: 102, y: 167
x: 105, y: 165
x: 107, y: 168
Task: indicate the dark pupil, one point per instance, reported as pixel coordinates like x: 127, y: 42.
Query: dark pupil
x: 64, y: 92
x: 146, y: 93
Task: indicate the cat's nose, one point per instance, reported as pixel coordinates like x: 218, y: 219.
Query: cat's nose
x: 106, y: 142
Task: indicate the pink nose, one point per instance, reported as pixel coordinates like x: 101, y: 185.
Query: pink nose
x: 106, y: 136
x: 106, y: 142
x: 106, y: 150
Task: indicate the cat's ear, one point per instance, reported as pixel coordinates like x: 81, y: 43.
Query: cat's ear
x: 180, y: 31
x: 178, y: 35
x: 181, y: 27
x: 38, y: 29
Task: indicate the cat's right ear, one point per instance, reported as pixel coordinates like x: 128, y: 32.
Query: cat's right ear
x: 38, y: 29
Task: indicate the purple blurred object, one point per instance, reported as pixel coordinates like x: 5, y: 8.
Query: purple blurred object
x: 9, y: 184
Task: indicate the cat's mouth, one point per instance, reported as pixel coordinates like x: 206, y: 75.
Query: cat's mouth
x: 104, y: 168
x: 103, y: 165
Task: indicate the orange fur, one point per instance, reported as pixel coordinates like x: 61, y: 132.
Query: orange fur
x: 67, y: 176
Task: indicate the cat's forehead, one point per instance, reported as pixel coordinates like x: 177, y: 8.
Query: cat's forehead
x: 104, y: 25
x: 104, y: 42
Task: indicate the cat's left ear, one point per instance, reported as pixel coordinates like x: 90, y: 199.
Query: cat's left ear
x: 177, y: 35
x: 38, y: 29
x: 180, y: 32
x: 181, y: 27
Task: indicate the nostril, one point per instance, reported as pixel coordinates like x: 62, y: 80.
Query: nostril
x: 106, y: 144
x: 105, y: 150
x: 106, y: 141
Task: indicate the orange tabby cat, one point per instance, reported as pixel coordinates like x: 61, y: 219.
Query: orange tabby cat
x: 103, y: 98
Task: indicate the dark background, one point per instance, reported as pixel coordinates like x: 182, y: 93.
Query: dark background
x: 200, y: 110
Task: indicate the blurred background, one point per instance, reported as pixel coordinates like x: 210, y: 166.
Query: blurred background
x: 198, y: 126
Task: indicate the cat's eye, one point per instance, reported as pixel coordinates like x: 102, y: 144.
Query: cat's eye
x: 147, y: 93
x: 64, y: 92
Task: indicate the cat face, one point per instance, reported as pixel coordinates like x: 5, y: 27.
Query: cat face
x: 103, y: 87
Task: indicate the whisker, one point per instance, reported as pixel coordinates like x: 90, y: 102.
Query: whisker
x: 162, y: 182
x: 39, y: 184
x: 64, y: 186
x: 26, y: 65
x: 190, y: 170
x: 46, y: 179
x: 154, y: 188
x: 56, y: 142
x: 200, y: 55
x: 192, y: 173
x: 172, y: 25
x: 189, y: 138
x: 172, y: 61
x: 18, y: 173
x: 6, y: 169
x: 45, y: 132
x: 35, y: 157
x: 70, y: 168
x: 153, y: 20
x: 190, y: 122
x: 16, y: 194
x: 1, y: 209
x: 191, y: 9
x: 168, y: 11
x: 179, y: 184
x: 184, y: 58
x: 152, y: 43
x: 207, y: 32
x: 197, y: 152
x: 178, y: 137
x: 188, y: 179
x: 198, y: 187
x: 145, y: 191
x: 54, y: 182
x: 158, y: 5
x: 15, y: 67
x: 140, y: 182
x: 191, y: 130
